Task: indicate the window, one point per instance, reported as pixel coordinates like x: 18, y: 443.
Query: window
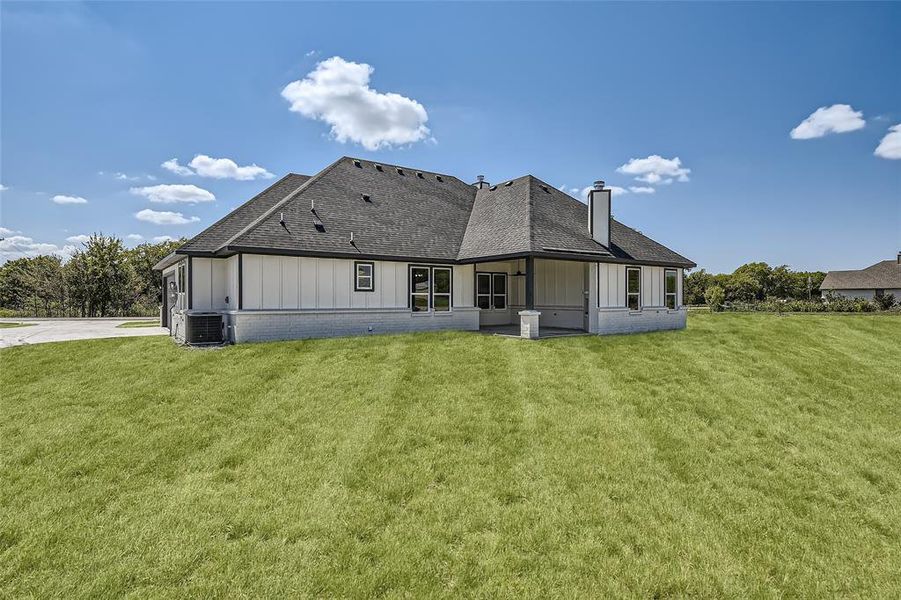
x: 364, y: 276
x: 420, y: 281
x: 431, y: 289
x: 633, y: 288
x: 483, y: 290
x: 499, y: 290
x: 441, y: 289
x: 491, y: 291
x: 670, y: 287
x: 181, y: 278
x: 880, y: 293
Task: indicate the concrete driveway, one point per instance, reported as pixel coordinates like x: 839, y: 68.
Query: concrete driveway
x: 61, y: 330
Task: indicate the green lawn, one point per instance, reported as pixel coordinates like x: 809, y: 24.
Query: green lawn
x: 133, y: 324
x: 9, y: 325
x: 749, y: 455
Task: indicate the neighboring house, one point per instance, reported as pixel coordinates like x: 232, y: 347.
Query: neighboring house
x: 363, y: 248
x: 873, y: 282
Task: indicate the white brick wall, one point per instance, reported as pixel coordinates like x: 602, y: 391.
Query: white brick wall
x: 623, y: 320
x: 261, y: 325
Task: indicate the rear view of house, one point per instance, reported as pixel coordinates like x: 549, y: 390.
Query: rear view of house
x: 364, y: 248
x: 875, y: 281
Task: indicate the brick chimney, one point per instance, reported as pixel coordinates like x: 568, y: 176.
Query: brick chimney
x: 599, y: 214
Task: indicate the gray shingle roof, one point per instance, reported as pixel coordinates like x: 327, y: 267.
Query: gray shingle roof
x: 409, y: 214
x: 213, y: 237
x: 528, y: 216
x: 418, y: 215
x: 882, y: 275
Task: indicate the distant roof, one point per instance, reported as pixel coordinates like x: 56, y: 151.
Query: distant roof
x: 402, y: 213
x: 882, y: 275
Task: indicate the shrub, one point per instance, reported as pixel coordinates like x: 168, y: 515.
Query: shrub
x: 715, y: 295
x: 886, y: 301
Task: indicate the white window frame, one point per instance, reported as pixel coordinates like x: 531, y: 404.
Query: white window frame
x: 675, y: 292
x: 358, y: 287
x: 450, y: 289
x: 430, y: 293
x: 636, y: 294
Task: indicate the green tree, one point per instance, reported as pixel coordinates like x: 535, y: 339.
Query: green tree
x: 760, y: 273
x: 148, y: 283
x: 715, y: 296
x: 109, y: 276
x: 695, y: 285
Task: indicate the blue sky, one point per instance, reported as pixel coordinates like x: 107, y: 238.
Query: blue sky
x: 570, y: 93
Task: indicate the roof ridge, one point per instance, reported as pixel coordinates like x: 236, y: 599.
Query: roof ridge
x: 406, y: 167
x: 280, y: 203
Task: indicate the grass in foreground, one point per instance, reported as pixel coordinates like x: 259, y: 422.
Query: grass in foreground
x: 750, y: 455
x: 8, y: 325
x: 133, y: 324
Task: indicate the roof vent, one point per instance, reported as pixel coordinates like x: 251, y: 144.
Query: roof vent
x: 317, y: 223
x: 365, y: 197
x: 546, y: 190
x: 399, y: 171
x: 438, y: 177
x: 358, y: 164
x: 492, y: 188
x: 509, y: 183
x: 281, y: 218
x: 599, y: 184
x: 378, y: 167
x: 419, y: 174
x: 352, y: 243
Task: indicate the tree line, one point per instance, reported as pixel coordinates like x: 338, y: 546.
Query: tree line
x: 754, y: 282
x: 101, y: 279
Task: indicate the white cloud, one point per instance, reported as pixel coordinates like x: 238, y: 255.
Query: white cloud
x: 337, y: 92
x: 5, y: 231
x: 890, y: 146
x: 163, y: 238
x: 582, y: 193
x: 311, y: 53
x: 78, y: 239
x: 838, y: 118
x: 60, y: 199
x: 135, y: 237
x: 655, y: 169
x: 217, y: 168
x: 3, y: 188
x: 20, y: 246
x: 173, y: 166
x: 164, y: 217
x: 172, y: 193
x: 226, y: 168
x: 641, y: 189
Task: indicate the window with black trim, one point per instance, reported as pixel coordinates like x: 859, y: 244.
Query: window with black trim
x: 670, y: 287
x: 441, y: 289
x: 431, y: 288
x: 483, y: 290
x: 364, y: 276
x: 181, y: 278
x: 491, y: 291
x: 633, y: 288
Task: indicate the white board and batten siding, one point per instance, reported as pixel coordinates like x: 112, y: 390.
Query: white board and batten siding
x: 305, y: 283
x: 612, y: 286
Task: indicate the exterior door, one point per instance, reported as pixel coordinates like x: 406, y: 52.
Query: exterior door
x: 491, y: 298
x: 170, y: 298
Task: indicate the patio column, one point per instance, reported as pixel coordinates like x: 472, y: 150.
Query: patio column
x: 530, y: 283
